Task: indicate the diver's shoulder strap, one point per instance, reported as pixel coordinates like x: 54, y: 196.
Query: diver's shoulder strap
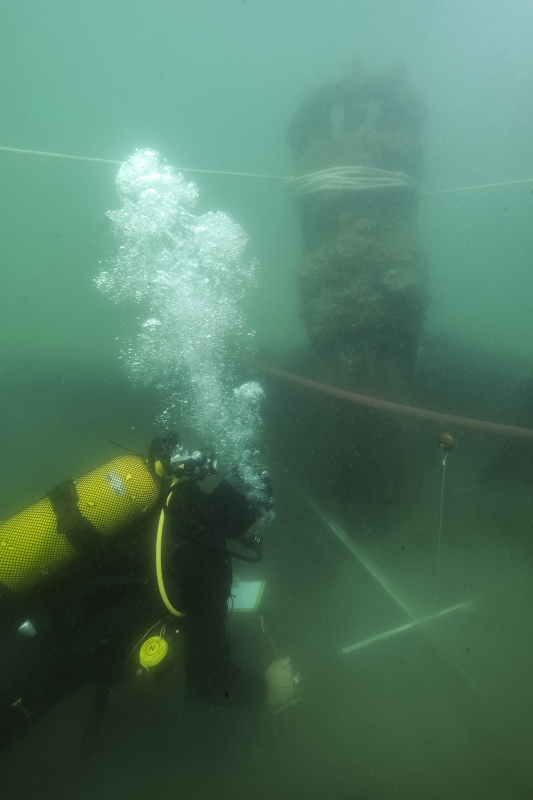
x: 71, y: 523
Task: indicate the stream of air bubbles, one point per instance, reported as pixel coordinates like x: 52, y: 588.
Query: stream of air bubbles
x: 189, y: 273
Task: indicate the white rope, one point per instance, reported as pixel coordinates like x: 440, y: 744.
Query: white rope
x: 16, y: 151
x: 352, y: 179
x: 444, y: 457
x: 343, y: 178
x: 479, y: 186
x: 234, y: 174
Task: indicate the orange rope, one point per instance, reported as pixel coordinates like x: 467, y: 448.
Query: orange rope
x: 396, y: 408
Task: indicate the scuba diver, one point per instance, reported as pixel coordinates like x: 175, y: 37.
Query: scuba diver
x: 101, y: 576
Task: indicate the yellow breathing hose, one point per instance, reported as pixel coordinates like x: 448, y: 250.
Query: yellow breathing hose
x: 158, y: 569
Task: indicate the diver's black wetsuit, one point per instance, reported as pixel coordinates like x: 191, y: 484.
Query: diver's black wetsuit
x: 86, y: 621
x: 202, y: 575
x: 205, y: 578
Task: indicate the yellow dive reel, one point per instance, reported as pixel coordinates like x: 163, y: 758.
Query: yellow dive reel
x: 152, y: 652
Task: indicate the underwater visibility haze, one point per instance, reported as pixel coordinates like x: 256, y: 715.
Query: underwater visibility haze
x: 239, y: 220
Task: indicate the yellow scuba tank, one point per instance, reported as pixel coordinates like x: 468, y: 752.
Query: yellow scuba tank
x: 73, y: 518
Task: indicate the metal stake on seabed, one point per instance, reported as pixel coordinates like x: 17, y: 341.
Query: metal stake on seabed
x: 406, y: 627
x: 367, y: 562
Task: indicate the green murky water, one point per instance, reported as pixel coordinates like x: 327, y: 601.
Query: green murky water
x: 438, y: 711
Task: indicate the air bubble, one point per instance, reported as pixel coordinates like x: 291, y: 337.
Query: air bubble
x: 190, y: 273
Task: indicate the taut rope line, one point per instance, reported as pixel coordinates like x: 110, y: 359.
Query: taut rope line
x: 396, y: 408
x: 357, y: 184
x: 16, y: 151
x: 479, y: 186
x: 444, y: 457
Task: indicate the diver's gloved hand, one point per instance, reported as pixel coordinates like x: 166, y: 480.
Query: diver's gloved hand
x: 238, y: 503
x: 257, y: 488
x: 280, y: 681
